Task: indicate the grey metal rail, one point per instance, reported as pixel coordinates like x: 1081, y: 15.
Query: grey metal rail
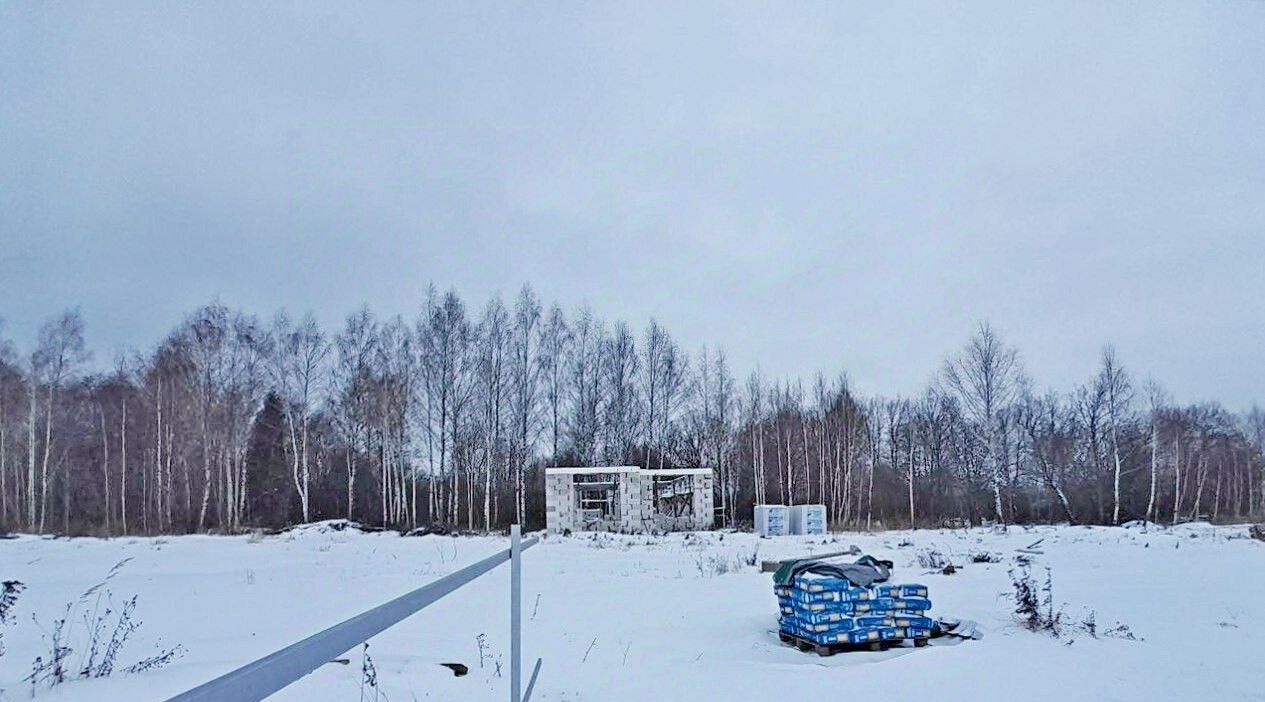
x: 255, y: 681
x: 531, y: 684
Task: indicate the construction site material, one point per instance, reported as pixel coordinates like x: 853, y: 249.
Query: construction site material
x: 808, y: 519
x: 772, y: 520
x: 822, y: 609
x: 961, y: 629
x: 773, y: 566
x: 866, y: 571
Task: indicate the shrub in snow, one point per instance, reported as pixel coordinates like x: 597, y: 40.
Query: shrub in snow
x: 753, y: 559
x: 9, y: 591
x: 1027, y: 603
x: 1119, y: 631
x: 106, y: 631
x: 932, y: 559
x: 107, y: 634
x: 368, y: 677
x: 1090, y: 624
x: 713, y: 565
x: 482, y: 642
x: 1035, y: 610
x: 1034, y: 604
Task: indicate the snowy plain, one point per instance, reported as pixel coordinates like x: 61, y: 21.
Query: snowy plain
x: 670, y: 618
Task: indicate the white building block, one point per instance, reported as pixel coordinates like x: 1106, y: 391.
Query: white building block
x: 771, y: 520
x: 808, y: 519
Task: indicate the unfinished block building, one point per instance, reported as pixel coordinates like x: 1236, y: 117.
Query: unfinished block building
x: 627, y: 499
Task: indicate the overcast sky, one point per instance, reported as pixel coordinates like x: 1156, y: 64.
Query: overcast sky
x: 844, y: 186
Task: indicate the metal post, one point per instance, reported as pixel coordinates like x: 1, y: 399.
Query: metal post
x: 516, y: 585
x: 531, y: 682
x: 255, y: 681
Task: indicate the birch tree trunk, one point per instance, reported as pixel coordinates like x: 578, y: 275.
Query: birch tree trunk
x: 1177, y: 475
x: 1115, y: 451
x: 105, y: 467
x: 30, y: 460
x: 206, y: 469
x: 351, y: 481
x: 994, y: 469
x: 48, y: 444
x: 869, y: 500
x: 1155, y: 450
x: 4, y: 470
x: 123, y: 468
x: 296, y: 476
x: 1201, y: 474
x: 912, y: 523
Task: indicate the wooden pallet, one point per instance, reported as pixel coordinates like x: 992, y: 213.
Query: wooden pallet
x: 831, y: 649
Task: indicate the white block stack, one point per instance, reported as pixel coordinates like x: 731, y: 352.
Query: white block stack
x: 808, y: 519
x: 771, y: 520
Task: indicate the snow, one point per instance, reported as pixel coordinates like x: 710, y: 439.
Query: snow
x: 672, y: 618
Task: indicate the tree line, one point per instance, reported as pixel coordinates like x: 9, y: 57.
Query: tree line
x: 446, y: 420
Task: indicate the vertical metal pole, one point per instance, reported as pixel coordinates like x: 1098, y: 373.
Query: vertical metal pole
x: 516, y: 613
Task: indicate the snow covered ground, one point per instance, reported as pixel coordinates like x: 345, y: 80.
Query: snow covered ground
x: 669, y: 618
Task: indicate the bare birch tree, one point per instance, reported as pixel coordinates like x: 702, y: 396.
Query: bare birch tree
x: 555, y: 339
x: 58, y: 355
x: 299, y: 354
x: 1157, y: 401
x: 494, y: 351
x: 352, y: 384
x: 986, y: 377
x: 754, y: 405
x: 585, y: 381
x: 1118, y: 392
x: 11, y: 391
x: 532, y: 345
x: 619, y: 367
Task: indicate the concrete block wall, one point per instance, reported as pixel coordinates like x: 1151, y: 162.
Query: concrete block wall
x: 634, y: 507
x: 560, y: 509
x: 562, y: 512
x: 645, y: 493
x: 651, y: 519
x: 704, y: 508
x: 702, y: 503
x: 629, y: 502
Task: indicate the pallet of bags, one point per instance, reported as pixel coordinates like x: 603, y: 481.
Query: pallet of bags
x: 828, y: 640
x: 828, y: 614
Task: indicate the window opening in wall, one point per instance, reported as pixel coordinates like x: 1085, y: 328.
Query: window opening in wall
x: 673, y: 495
x: 597, y: 497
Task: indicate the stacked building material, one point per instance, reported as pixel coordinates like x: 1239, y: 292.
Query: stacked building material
x: 832, y: 611
x: 808, y: 519
x: 772, y: 520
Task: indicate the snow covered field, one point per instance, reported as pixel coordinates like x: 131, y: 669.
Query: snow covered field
x: 670, y: 618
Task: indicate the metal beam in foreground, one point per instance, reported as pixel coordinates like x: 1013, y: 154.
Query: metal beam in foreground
x: 516, y: 621
x: 516, y: 615
x: 531, y: 684
x: 255, y: 681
